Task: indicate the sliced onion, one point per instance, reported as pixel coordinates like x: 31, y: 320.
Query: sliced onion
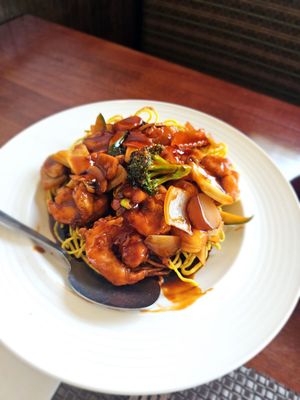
x: 175, y: 208
x: 62, y: 157
x: 203, y: 212
x: 192, y: 243
x: 163, y: 245
x: 209, y: 185
x: 203, y: 254
x: 77, y: 159
x: 216, y: 235
x: 120, y: 177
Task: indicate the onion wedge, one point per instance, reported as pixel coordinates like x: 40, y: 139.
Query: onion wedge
x: 175, y: 209
x: 120, y: 177
x: 76, y: 158
x: 192, y: 243
x: 203, y: 213
x: 209, y: 185
x: 163, y: 245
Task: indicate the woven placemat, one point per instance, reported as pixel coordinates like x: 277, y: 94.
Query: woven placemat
x: 243, y: 383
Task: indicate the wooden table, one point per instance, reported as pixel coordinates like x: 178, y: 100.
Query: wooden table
x: 45, y: 68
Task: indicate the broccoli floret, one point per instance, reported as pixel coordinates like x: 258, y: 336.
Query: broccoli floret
x: 147, y: 169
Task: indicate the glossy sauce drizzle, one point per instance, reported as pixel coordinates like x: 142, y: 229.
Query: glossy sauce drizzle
x: 39, y: 249
x: 180, y: 294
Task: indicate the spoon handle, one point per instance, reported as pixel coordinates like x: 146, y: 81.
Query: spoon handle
x: 10, y: 222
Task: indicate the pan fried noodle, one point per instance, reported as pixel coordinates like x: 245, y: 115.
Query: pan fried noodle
x: 136, y: 197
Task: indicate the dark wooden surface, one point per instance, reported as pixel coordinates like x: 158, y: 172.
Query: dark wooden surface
x: 115, y: 20
x: 45, y: 68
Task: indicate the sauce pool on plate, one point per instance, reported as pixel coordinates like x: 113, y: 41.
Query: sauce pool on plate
x: 39, y: 249
x: 180, y: 294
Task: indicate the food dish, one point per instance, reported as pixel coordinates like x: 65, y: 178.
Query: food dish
x: 137, y: 197
x: 256, y: 285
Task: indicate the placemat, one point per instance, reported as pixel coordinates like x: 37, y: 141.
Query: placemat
x: 243, y: 383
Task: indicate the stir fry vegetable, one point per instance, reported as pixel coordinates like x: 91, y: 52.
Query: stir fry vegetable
x: 148, y: 170
x: 137, y: 197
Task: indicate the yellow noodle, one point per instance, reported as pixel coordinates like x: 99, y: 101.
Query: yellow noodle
x: 56, y: 234
x: 177, y: 260
x: 173, y: 122
x: 69, y: 246
x: 48, y: 195
x: 186, y: 268
x: 221, y: 235
x: 216, y: 240
x: 74, y: 244
x: 180, y: 276
x: 214, y: 148
x: 114, y: 119
x: 152, y: 113
x: 189, y: 259
x: 194, y: 269
x: 183, y: 268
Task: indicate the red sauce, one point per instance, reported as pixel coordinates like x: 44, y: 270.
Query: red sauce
x: 190, y: 138
x: 137, y: 139
x: 128, y: 124
x: 80, y: 163
x: 161, y: 135
x: 98, y: 142
x: 116, y: 137
x: 39, y: 249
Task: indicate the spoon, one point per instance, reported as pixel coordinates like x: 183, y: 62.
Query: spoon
x: 87, y: 283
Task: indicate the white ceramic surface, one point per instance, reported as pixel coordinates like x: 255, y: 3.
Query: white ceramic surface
x: 19, y: 381
x: 255, y: 277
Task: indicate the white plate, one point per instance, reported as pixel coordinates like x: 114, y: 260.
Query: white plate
x: 51, y: 328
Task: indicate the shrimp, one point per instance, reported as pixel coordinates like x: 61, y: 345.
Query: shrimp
x: 216, y: 165
x: 149, y: 218
x: 77, y: 206
x: 135, y: 194
x: 103, y: 169
x: 133, y: 251
x: 222, y: 169
x: 109, y: 232
x: 108, y: 164
x: 230, y: 184
x: 53, y: 174
x: 63, y: 209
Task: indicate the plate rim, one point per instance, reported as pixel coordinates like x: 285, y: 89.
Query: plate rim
x: 292, y: 194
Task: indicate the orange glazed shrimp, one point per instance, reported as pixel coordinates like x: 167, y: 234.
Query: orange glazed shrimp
x: 53, y: 174
x: 222, y: 169
x: 77, y: 206
x: 109, y: 232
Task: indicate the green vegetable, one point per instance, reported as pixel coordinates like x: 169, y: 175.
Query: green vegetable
x: 100, y: 123
x: 115, y: 147
x: 147, y: 169
x: 125, y: 203
x: 233, y: 219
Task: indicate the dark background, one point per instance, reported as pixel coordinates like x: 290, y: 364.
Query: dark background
x: 253, y: 43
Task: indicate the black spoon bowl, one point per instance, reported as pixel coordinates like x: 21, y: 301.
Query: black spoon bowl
x: 87, y: 283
